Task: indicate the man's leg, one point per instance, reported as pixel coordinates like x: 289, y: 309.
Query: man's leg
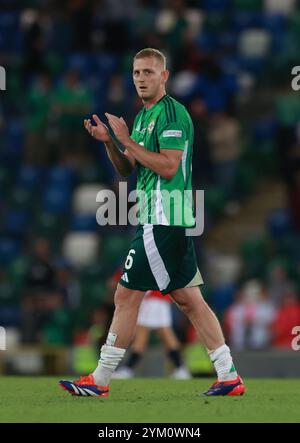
x: 138, y: 348
x: 191, y: 302
x: 141, y: 339
x: 168, y: 338
x: 121, y: 333
x: 172, y: 346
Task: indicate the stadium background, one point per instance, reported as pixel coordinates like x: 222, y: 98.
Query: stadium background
x: 230, y: 63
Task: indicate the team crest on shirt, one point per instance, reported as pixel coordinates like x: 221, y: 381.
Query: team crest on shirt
x: 138, y: 129
x: 151, y: 126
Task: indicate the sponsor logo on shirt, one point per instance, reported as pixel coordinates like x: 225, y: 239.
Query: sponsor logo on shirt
x: 172, y: 133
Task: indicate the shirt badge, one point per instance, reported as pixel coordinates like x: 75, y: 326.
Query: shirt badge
x: 151, y: 126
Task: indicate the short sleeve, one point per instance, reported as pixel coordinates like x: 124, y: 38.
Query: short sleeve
x: 172, y: 136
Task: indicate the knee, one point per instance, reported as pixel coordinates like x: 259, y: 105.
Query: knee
x: 190, y: 305
x: 120, y: 299
x: 185, y: 306
x: 124, y: 299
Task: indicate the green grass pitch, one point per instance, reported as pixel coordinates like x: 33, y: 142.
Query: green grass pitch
x: 40, y: 399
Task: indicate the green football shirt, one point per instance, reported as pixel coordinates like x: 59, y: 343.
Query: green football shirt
x: 166, y: 125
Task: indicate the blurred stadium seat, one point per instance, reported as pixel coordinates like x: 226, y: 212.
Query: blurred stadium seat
x: 56, y: 199
x: 29, y: 176
x: 84, y: 198
x: 280, y: 223
x: 254, y: 43
x: 84, y: 223
x: 81, y: 249
x: 9, y: 250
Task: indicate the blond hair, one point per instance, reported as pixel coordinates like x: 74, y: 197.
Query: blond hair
x: 151, y: 52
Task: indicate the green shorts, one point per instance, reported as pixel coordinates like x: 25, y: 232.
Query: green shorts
x: 160, y: 258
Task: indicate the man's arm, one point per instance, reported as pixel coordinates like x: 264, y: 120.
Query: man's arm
x: 124, y: 163
x: 165, y: 163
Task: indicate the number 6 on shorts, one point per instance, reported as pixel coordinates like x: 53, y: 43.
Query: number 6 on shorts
x: 129, y: 259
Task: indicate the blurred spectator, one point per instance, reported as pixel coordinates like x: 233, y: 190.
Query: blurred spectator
x: 67, y: 283
x: 294, y: 195
x: 189, y: 57
x: 9, y: 310
x: 224, y: 138
x: 278, y: 282
x: 287, y: 317
x: 143, y: 19
x: 116, y: 98
x: 202, y: 167
x: 248, y: 321
x: 261, y: 333
x: 34, y: 43
x: 113, y: 18
x: 72, y: 102
x: 40, y: 295
x: 216, y: 88
x: 38, y: 104
x: 171, y: 23
x: 40, y: 276
x: 89, y: 337
x: 80, y: 14
x: 55, y: 329
x: 99, y: 325
x: 288, y: 145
